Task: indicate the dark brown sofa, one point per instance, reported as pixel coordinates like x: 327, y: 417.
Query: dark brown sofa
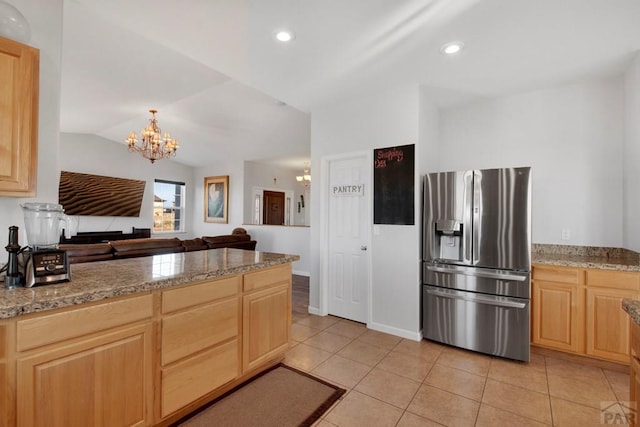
x: 130, y: 248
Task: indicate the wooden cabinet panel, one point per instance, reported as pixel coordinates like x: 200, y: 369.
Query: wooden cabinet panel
x: 613, y: 279
x: 267, y: 277
x: 19, y: 80
x: 188, y: 332
x: 558, y: 316
x: 191, y: 379
x: 266, y: 325
x: 557, y: 274
x: 189, y: 296
x: 608, y: 324
x: 49, y: 328
x: 102, y: 381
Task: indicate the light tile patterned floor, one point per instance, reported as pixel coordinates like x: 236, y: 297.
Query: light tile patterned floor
x: 397, y: 382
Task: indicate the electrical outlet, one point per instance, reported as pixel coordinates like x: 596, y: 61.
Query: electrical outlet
x: 566, y: 234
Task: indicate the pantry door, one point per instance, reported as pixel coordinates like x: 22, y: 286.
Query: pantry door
x: 349, y: 225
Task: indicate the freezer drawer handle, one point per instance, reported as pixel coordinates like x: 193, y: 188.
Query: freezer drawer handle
x: 478, y: 299
x: 503, y: 276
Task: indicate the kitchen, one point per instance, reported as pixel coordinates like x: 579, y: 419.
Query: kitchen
x: 581, y: 139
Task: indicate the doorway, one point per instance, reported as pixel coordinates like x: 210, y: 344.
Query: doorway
x: 273, y: 208
x: 347, y: 265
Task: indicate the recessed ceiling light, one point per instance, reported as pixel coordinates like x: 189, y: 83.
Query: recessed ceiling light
x: 283, y: 35
x: 451, y: 48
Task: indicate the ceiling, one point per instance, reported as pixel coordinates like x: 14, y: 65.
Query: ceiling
x: 227, y: 90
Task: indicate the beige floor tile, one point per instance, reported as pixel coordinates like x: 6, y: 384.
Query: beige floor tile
x: 456, y: 381
x: 567, y: 369
x: 488, y: 416
x: 347, y: 329
x: 570, y: 414
x: 406, y: 365
x: 380, y: 339
x: 412, y: 420
x: 464, y: 360
x: 318, y: 322
x: 297, y: 317
x: 342, y: 371
x: 388, y: 387
x: 532, y: 375
x: 427, y: 350
x: 357, y: 409
x: 305, y: 357
x: 328, y: 342
x: 301, y: 332
x: 444, y: 407
x: 521, y: 401
x: 363, y: 352
x: 589, y: 389
x: 619, y: 381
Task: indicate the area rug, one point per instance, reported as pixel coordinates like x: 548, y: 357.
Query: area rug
x: 280, y: 397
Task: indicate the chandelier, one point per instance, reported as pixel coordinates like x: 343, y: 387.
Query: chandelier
x: 305, y: 178
x: 154, y: 145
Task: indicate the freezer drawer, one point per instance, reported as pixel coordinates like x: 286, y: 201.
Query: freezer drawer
x: 480, y: 322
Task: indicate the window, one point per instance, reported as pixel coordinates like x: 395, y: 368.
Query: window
x: 168, y: 206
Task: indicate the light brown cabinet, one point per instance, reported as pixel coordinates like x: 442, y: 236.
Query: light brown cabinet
x: 634, y: 371
x: 200, y: 341
x: 558, y: 309
x: 579, y: 310
x: 89, y: 373
x: 266, y: 315
x: 19, y: 81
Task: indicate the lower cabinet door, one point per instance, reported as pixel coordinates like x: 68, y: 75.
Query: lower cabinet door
x: 192, y: 378
x: 100, y: 381
x: 266, y: 325
x: 608, y: 324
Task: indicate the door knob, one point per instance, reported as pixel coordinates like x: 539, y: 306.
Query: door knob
x: 363, y: 248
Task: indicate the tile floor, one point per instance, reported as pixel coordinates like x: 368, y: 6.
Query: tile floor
x: 392, y: 381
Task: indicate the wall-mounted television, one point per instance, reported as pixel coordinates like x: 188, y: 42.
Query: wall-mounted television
x: 96, y: 195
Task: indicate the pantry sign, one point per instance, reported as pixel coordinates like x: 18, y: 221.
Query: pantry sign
x: 347, y: 190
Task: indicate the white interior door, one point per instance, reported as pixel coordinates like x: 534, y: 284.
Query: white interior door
x: 348, y: 237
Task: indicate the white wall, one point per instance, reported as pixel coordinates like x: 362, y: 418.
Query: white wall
x: 95, y: 155
x: 45, y: 19
x: 631, y: 184
x: 571, y: 136
x: 375, y: 121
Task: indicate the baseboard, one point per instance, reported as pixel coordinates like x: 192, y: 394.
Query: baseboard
x: 314, y: 310
x: 414, y: 336
x: 301, y: 273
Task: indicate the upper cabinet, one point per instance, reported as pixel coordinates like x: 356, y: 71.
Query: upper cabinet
x: 19, y: 78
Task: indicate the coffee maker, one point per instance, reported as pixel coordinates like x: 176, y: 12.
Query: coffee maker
x: 43, y: 261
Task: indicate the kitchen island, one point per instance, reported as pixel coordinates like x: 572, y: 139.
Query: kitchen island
x: 141, y: 341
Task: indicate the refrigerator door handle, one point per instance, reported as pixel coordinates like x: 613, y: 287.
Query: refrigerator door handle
x: 486, y: 274
x: 477, y: 299
x: 476, y: 214
x: 467, y: 218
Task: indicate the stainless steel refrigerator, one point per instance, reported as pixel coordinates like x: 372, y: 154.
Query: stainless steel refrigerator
x: 477, y: 260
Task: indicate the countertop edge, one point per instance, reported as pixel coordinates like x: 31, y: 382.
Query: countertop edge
x: 53, y: 302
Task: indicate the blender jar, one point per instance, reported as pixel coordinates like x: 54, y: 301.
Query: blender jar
x: 43, y: 224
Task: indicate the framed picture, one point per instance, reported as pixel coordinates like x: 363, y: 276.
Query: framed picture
x: 216, y: 199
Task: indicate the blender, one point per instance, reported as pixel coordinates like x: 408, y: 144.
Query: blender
x: 45, y: 263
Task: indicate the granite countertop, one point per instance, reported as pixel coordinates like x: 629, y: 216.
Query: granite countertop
x: 99, y: 280
x: 586, y: 257
x: 632, y: 307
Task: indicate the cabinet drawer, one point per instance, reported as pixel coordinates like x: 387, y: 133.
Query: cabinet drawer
x: 193, y: 330
x: 264, y: 278
x: 557, y: 274
x: 614, y: 279
x: 50, y: 328
x: 193, y: 378
x: 189, y: 296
